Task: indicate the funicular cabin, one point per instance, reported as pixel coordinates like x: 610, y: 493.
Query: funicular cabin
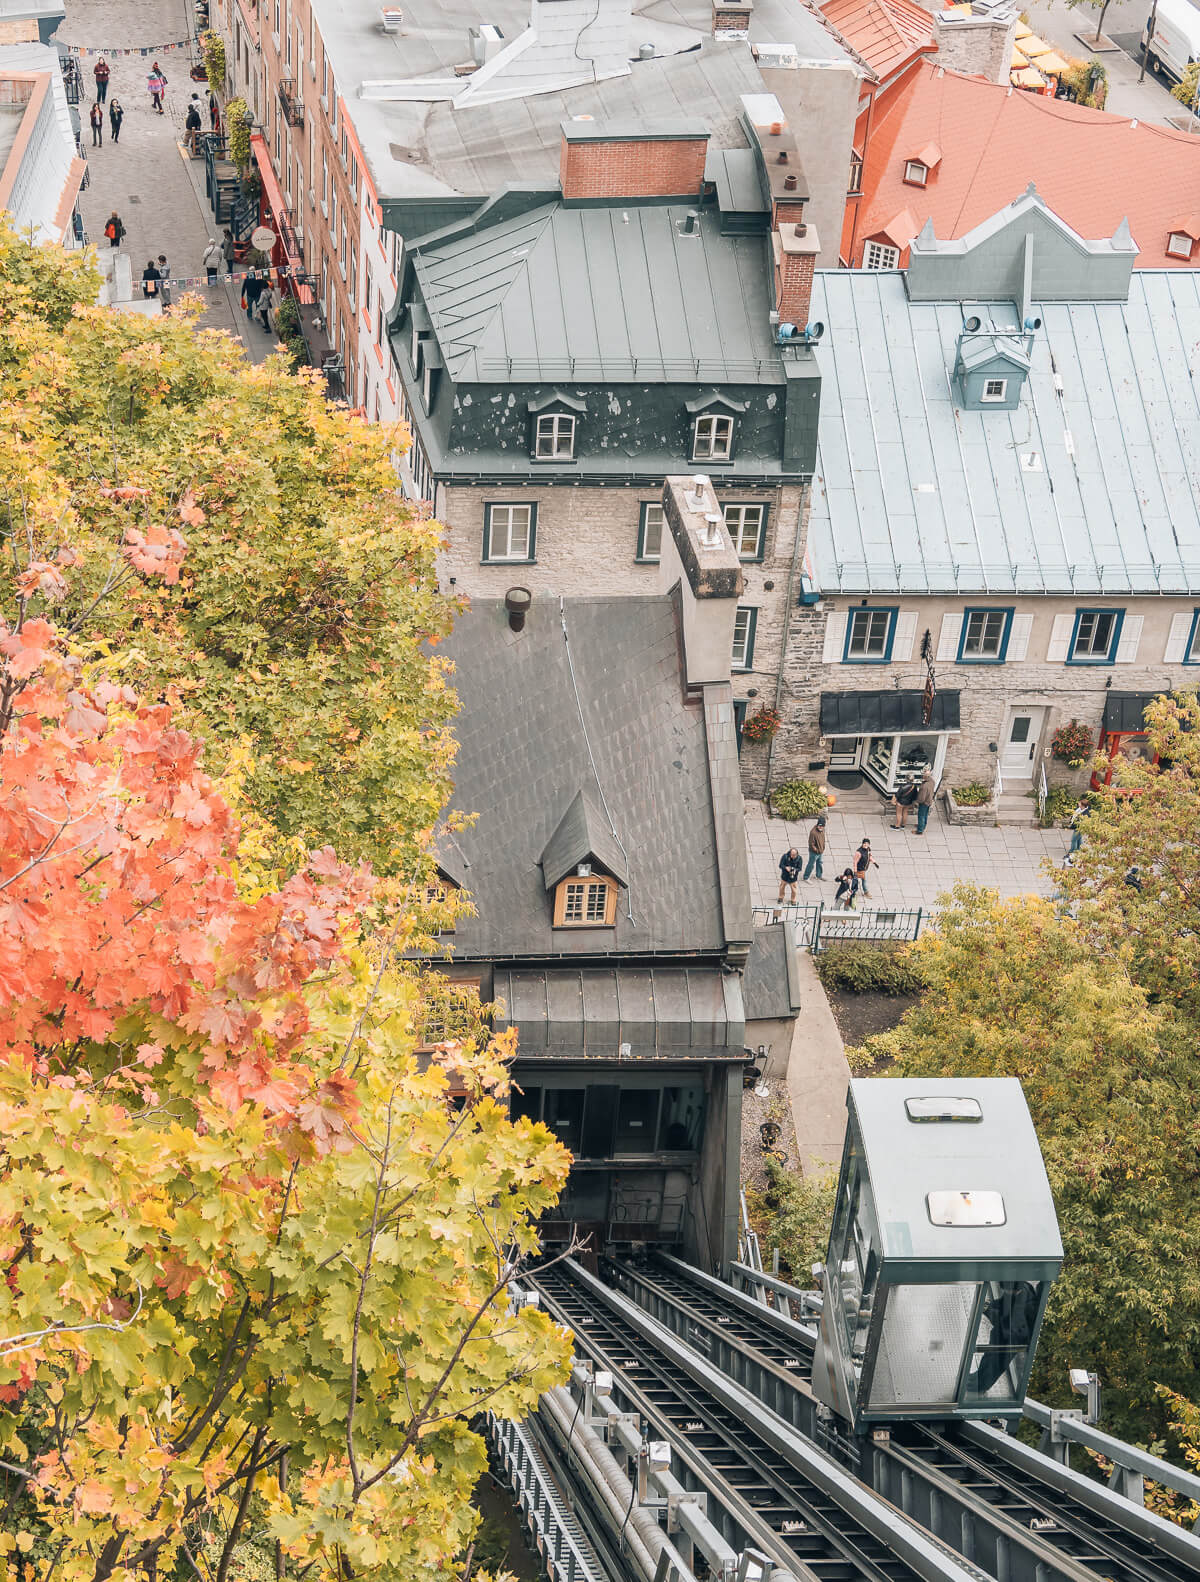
x: 942, y: 1252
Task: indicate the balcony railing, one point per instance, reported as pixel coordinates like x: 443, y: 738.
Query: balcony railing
x: 291, y: 103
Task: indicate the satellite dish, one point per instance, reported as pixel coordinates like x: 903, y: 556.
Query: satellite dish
x: 972, y: 324
x: 263, y: 238
x: 814, y: 331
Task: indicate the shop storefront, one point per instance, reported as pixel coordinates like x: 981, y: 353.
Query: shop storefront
x: 884, y: 738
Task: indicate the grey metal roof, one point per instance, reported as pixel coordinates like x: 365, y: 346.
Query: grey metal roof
x: 603, y: 293
x: 906, y: 1160
x: 422, y: 149
x: 582, y: 834
x: 524, y: 753
x: 1094, y: 488
x: 771, y: 980
x: 660, y: 1013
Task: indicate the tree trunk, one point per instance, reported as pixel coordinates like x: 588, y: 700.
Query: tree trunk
x: 1100, y: 22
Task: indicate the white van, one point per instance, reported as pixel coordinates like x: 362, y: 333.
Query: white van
x: 1176, y: 37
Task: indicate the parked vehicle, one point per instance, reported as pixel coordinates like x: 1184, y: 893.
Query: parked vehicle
x: 1176, y: 37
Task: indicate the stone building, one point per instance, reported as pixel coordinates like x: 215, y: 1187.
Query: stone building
x: 1006, y: 505
x: 562, y: 352
x: 608, y: 877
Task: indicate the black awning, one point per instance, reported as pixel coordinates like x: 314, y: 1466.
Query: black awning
x: 883, y: 713
x: 1123, y: 710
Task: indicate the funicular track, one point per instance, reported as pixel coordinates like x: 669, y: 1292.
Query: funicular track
x: 817, y: 1523
x: 969, y: 1484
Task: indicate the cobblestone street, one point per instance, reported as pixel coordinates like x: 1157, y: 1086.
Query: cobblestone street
x: 914, y: 870
x: 148, y: 177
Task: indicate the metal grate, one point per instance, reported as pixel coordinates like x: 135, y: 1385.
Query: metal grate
x: 566, y: 1553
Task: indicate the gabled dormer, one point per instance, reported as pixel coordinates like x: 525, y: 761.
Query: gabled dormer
x: 992, y: 364
x: 584, y: 867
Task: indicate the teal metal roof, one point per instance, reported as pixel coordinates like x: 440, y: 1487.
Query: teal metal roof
x: 615, y: 293
x: 1091, y: 485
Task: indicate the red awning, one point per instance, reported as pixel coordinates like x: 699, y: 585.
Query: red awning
x: 273, y: 199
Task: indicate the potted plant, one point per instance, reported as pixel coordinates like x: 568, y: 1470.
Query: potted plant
x: 974, y: 803
x: 797, y: 799
x: 1072, y: 744
x: 762, y: 725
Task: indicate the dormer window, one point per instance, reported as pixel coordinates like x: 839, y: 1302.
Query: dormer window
x: 554, y: 437
x: 994, y: 390
x: 1179, y: 245
x: 586, y: 900
x: 915, y: 173
x: 712, y: 438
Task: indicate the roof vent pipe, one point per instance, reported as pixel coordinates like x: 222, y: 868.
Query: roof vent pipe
x: 646, y: 52
x: 517, y: 602
x: 695, y: 500
x: 690, y: 223
x: 789, y: 183
x: 710, y: 533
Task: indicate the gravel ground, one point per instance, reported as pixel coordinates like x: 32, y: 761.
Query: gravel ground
x: 755, y: 1110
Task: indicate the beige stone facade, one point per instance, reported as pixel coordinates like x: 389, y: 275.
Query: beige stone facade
x: 1035, y: 679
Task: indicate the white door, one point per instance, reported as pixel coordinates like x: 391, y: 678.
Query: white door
x: 1019, y: 753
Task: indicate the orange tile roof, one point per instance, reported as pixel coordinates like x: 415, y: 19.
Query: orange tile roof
x: 886, y: 33
x: 1091, y: 168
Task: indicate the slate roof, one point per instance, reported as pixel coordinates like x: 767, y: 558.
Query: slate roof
x: 771, y: 982
x: 886, y: 33
x: 1094, y: 488
x: 1092, y: 168
x: 606, y: 293
x: 524, y: 754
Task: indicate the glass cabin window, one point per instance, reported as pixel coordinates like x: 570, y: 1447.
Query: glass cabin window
x: 1007, y: 1322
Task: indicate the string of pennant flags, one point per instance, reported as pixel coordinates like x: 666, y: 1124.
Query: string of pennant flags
x: 182, y: 282
x: 151, y: 50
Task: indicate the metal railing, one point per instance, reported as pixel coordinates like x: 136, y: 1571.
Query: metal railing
x: 816, y: 925
x: 1043, y: 791
x: 556, y: 1534
x: 291, y: 103
x: 997, y: 782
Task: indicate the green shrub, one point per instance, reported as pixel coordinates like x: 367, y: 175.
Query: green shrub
x: 794, y: 1213
x: 287, y: 318
x: 238, y: 122
x: 799, y: 799
x: 974, y: 795
x: 1061, y: 802
x: 880, y: 967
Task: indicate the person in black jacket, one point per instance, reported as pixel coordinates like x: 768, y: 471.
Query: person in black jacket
x: 116, y: 114
x: 789, y: 871
x: 251, y: 291
x: 150, y: 279
x: 96, y: 117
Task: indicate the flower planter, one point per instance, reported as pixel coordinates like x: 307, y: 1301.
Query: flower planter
x: 983, y: 816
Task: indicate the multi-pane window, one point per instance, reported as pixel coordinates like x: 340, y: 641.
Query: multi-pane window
x: 878, y: 256
x: 915, y: 173
x: 745, y: 524
x: 554, y: 437
x: 869, y: 636
x: 1192, y: 651
x: 744, y: 623
x: 984, y: 634
x: 1095, y: 634
x: 713, y: 438
x: 995, y: 389
x: 856, y: 173
x: 650, y: 531
x: 509, y: 532
x: 589, y: 902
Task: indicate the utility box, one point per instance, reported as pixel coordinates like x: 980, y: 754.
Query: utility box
x: 943, y: 1249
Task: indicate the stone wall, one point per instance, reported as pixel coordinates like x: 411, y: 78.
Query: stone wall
x: 987, y: 691
x: 980, y: 46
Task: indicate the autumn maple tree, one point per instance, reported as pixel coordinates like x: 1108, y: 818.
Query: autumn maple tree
x: 258, y: 1228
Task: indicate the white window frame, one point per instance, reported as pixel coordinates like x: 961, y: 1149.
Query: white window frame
x: 645, y: 522
x: 712, y: 437
x: 985, y: 619
x: 505, y: 519
x: 1179, y: 245
x: 1092, y: 654
x: 738, y: 519
x: 554, y: 437
x: 988, y: 394
x: 878, y: 255
x: 870, y: 617
x: 744, y: 623
x: 916, y: 172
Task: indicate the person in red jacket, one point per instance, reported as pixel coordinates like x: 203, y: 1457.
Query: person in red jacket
x: 101, y: 73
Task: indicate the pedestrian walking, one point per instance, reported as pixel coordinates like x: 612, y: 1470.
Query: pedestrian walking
x: 101, y: 73
x: 863, y: 863
x: 214, y: 112
x: 904, y: 798
x: 164, y: 278
x: 1082, y: 810
x: 116, y: 114
x: 816, y: 850
x: 192, y: 125
x: 227, y: 247
x: 212, y: 260
x: 925, y: 800
x: 157, y: 84
x: 96, y: 117
x: 268, y: 302
x: 847, y: 889
x: 789, y: 871
x: 150, y: 279
x: 114, y: 229
x: 252, y: 287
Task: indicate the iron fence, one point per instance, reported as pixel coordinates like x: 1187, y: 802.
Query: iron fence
x: 817, y: 925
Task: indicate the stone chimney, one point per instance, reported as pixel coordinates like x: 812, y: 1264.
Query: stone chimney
x: 632, y: 160
x: 731, y: 18
x: 699, y: 559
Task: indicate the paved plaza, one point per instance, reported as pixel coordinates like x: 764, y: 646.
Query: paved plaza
x: 914, y: 870
x: 148, y: 177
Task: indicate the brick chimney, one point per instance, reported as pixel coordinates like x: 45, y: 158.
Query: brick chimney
x: 731, y: 18
x: 795, y: 248
x: 632, y: 160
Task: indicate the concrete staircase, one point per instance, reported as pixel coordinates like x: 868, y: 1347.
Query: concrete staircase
x: 1016, y: 808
